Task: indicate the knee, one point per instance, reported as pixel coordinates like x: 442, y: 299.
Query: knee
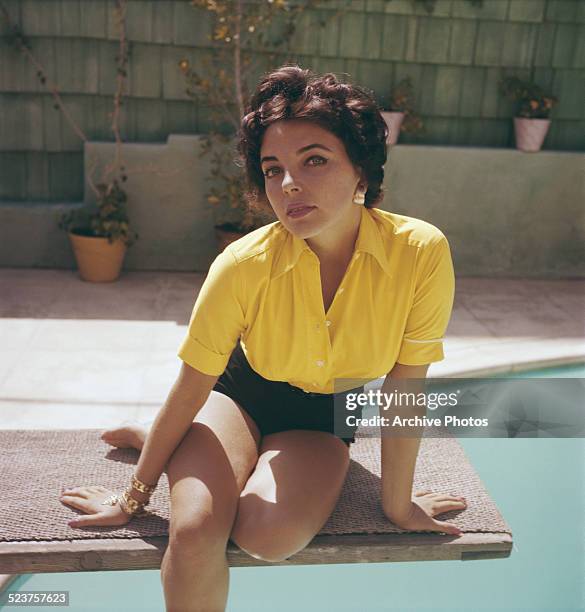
x: 266, y: 550
x: 270, y: 543
x: 197, y: 535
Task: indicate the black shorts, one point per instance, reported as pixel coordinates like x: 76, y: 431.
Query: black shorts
x: 277, y: 406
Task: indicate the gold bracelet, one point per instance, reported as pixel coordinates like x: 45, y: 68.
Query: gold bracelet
x: 141, y: 486
x: 129, y: 505
x: 140, y: 506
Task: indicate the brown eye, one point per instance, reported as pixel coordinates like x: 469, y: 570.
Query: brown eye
x: 318, y: 157
x: 308, y: 159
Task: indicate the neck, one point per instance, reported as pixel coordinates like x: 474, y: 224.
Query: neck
x: 336, y: 245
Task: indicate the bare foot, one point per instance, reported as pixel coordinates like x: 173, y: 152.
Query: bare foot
x: 130, y: 434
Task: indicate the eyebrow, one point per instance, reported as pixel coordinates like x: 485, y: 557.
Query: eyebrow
x: 301, y: 150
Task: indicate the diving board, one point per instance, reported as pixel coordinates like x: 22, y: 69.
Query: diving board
x: 35, y: 537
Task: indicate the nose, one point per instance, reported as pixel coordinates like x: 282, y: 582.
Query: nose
x: 289, y: 184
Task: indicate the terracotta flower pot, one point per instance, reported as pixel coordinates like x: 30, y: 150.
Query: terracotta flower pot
x: 393, y: 121
x: 98, y: 261
x: 226, y: 236
x: 530, y: 133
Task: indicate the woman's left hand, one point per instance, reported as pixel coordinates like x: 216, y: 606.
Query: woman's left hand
x: 423, y: 509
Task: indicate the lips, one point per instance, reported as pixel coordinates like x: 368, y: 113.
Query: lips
x: 296, y: 206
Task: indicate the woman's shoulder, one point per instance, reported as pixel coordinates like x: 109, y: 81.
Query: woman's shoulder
x: 406, y: 229
x: 258, y: 244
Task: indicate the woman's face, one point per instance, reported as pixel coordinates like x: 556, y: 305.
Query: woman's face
x: 322, y: 177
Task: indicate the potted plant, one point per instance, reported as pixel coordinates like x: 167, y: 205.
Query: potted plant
x: 99, y: 234
x: 237, y: 218
x: 400, y: 115
x: 531, y: 114
x: 244, y: 42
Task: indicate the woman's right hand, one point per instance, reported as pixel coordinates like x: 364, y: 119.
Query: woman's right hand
x: 89, y: 500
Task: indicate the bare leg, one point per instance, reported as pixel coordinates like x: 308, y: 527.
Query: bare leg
x: 206, y: 472
x: 194, y: 569
x: 191, y: 582
x: 177, y: 576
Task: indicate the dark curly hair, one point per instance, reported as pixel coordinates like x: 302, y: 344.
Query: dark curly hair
x: 348, y: 111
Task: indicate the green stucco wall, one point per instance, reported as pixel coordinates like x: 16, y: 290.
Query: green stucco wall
x: 505, y: 213
x: 454, y: 56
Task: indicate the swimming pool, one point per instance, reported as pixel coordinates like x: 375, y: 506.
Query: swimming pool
x: 539, y: 487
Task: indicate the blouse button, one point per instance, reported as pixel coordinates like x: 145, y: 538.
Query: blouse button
x: 320, y: 363
x: 341, y: 290
x: 328, y: 323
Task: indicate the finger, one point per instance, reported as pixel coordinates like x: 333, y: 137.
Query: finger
x: 76, y: 502
x: 80, y: 491
x: 448, y: 497
x: 447, y: 527
x: 88, y: 520
x: 444, y: 506
x: 419, y: 493
x: 69, y: 501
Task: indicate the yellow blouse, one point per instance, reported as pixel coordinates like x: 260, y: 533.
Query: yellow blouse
x: 392, y: 305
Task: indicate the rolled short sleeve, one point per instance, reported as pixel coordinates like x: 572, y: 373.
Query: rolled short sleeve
x: 429, y: 316
x: 217, y: 319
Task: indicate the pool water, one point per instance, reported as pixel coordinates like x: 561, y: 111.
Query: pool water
x: 538, y: 485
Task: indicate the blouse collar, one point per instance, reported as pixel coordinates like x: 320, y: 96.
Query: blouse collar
x: 369, y: 240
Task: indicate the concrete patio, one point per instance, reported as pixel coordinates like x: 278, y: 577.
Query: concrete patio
x: 81, y: 355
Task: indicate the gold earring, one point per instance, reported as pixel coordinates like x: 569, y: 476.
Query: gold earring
x: 359, y: 198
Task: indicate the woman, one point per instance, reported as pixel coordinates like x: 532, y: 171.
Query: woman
x: 335, y: 290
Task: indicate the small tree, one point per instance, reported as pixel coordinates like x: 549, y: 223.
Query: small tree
x: 402, y: 101
x: 244, y: 41
x: 108, y: 216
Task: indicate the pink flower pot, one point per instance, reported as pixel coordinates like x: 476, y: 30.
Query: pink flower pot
x: 393, y: 121
x: 530, y: 133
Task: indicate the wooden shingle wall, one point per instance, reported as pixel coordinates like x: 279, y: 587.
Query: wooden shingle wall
x: 454, y: 56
